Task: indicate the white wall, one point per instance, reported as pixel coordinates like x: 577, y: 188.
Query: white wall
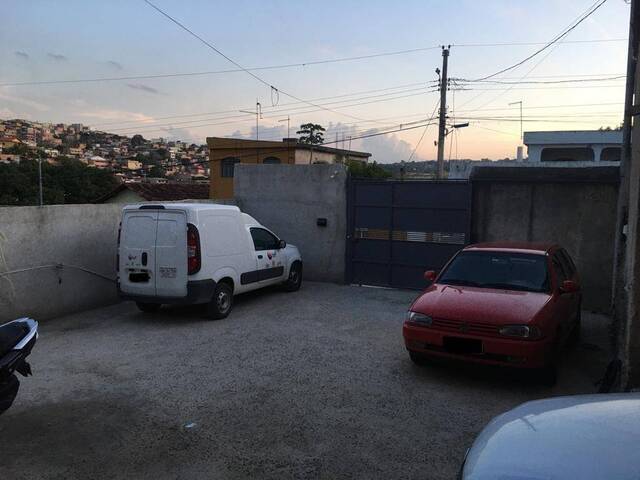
x: 79, y: 235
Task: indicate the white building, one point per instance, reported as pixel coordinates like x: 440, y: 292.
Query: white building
x: 568, y: 147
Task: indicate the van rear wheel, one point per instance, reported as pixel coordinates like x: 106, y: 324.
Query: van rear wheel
x: 148, y: 307
x: 220, y: 305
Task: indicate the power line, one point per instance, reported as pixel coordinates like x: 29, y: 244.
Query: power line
x: 555, y: 40
x: 522, y: 82
x: 424, y: 131
x: 266, y: 107
x: 287, y: 65
x: 249, y: 72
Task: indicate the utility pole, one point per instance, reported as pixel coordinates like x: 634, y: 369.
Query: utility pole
x: 443, y: 111
x: 516, y: 103
x: 40, y: 180
x: 288, y: 120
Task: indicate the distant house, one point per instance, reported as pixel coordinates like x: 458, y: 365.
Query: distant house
x: 8, y: 142
x: 156, y: 192
x: 224, y: 153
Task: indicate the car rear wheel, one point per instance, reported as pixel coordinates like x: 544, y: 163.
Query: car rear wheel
x: 148, y: 307
x: 220, y: 305
x: 294, y: 281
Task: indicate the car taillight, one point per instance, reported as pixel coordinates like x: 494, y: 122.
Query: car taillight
x: 118, y: 248
x: 193, y: 249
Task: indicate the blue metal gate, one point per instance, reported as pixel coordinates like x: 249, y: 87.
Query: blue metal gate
x: 398, y: 229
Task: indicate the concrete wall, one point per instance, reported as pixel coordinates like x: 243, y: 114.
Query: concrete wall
x: 79, y: 235
x: 573, y: 207
x: 289, y: 199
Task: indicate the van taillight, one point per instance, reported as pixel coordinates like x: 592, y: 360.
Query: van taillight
x: 118, y: 248
x: 193, y: 249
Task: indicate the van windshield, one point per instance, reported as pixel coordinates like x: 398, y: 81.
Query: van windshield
x: 504, y: 270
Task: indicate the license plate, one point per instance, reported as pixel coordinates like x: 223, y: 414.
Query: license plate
x: 462, y: 345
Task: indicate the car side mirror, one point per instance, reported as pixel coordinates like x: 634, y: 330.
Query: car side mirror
x: 430, y: 276
x: 569, y: 286
x: 282, y: 244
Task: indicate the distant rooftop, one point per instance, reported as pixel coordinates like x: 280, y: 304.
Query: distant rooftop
x: 570, y: 137
x: 239, y: 143
x: 158, y: 192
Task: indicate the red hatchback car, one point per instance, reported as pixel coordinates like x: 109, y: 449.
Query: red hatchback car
x: 513, y: 304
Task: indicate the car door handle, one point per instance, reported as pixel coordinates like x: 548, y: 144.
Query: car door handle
x: 260, y: 257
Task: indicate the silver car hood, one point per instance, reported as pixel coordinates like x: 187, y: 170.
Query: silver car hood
x: 579, y: 437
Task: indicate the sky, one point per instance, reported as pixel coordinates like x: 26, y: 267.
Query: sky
x: 43, y: 41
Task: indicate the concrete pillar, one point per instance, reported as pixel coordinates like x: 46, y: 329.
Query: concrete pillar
x: 630, y: 331
x: 597, y: 152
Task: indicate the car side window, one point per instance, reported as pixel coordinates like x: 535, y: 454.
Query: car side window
x: 559, y: 269
x: 570, y: 267
x: 263, y: 239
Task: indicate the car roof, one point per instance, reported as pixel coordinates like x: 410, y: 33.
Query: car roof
x: 182, y: 205
x: 583, y: 436
x: 519, y: 247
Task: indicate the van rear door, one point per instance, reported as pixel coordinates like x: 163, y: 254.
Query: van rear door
x: 153, y: 253
x: 171, y: 254
x: 137, y: 252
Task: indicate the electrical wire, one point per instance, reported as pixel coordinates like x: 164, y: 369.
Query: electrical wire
x: 249, y: 72
x: 433, y: 114
x: 555, y: 40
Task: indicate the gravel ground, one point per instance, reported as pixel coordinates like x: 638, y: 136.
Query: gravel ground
x: 314, y: 384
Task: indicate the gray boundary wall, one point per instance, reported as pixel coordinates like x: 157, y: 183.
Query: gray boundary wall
x: 575, y: 207
x: 289, y: 199
x: 83, y: 236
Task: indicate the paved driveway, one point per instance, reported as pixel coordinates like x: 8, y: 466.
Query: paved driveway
x: 314, y: 384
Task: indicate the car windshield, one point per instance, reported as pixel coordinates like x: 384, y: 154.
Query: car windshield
x: 509, y: 271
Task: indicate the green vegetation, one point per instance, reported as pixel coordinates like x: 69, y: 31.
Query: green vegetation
x: 311, y: 133
x: 366, y: 170
x: 69, y: 182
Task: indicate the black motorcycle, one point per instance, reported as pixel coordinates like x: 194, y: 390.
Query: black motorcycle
x: 17, y: 338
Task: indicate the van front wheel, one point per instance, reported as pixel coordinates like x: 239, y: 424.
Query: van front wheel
x: 220, y: 305
x: 295, y: 278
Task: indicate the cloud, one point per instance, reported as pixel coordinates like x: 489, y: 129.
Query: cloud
x: 114, y: 64
x: 265, y: 133
x: 24, y: 102
x: 144, y: 88
x: 384, y: 148
x: 21, y: 54
x: 57, y: 57
x: 117, y: 115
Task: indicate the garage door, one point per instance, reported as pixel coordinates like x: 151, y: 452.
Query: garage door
x: 397, y: 230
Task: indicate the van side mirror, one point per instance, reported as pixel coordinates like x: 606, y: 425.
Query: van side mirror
x: 430, y: 276
x: 282, y: 244
x: 569, y: 286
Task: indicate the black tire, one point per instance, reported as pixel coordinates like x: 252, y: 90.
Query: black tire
x: 548, y: 375
x: 222, y: 302
x: 8, y: 391
x: 417, y: 358
x: 148, y: 307
x: 574, y: 336
x: 294, y: 281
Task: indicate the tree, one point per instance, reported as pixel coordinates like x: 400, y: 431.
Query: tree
x: 311, y: 133
x: 366, y: 170
x: 137, y: 140
x: 156, y: 172
x: 69, y: 182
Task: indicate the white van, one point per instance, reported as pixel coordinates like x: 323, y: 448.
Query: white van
x: 188, y: 253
